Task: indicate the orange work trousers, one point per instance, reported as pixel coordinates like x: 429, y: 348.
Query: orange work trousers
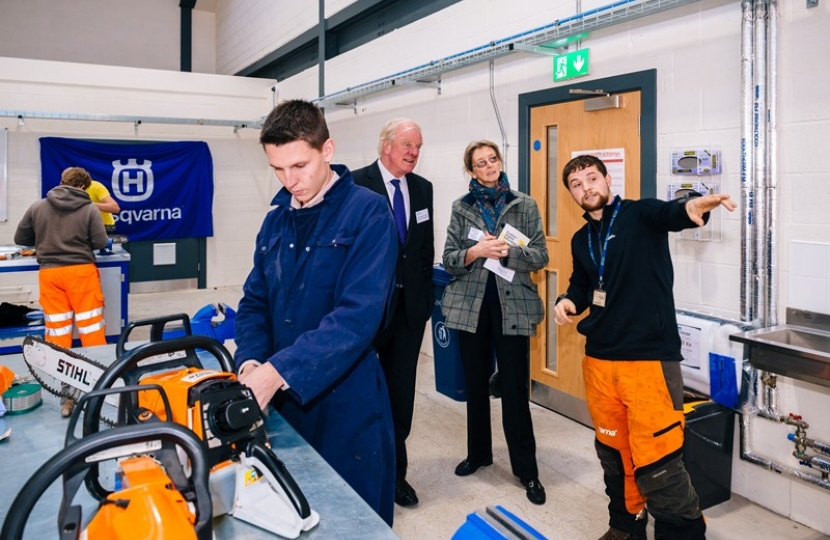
x: 72, y: 293
x: 635, y: 412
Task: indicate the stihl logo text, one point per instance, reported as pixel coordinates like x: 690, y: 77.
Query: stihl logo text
x: 74, y: 372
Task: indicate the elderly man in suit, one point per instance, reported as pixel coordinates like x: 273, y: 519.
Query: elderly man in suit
x: 399, y: 342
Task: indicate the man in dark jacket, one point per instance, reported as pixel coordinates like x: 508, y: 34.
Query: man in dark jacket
x: 65, y: 228
x: 324, y: 266
x: 399, y: 342
x: 622, y: 271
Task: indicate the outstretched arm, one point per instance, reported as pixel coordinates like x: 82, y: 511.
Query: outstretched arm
x: 698, y: 206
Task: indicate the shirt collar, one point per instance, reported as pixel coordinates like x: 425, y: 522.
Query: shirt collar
x: 388, y: 176
x: 320, y: 194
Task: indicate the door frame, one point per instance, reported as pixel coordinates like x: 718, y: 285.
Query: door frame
x: 646, y: 83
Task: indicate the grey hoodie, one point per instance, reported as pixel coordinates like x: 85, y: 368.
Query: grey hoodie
x: 64, y: 228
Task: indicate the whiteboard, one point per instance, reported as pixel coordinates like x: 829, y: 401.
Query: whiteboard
x: 4, y: 174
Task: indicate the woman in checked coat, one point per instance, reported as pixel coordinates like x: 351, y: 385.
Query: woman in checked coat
x: 495, y: 312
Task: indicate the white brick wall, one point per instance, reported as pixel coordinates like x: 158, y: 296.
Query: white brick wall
x: 695, y: 50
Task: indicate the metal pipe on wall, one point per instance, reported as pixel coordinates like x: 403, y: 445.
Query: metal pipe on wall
x: 747, y: 171
x: 772, y: 152
x: 759, y: 123
x: 496, y: 109
x: 750, y: 410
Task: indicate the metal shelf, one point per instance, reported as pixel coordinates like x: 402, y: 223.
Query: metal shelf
x: 595, y: 19
x: 135, y: 120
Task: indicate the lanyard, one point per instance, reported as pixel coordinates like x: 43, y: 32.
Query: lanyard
x: 604, y: 251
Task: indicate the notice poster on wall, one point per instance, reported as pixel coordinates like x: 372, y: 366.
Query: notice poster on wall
x: 4, y: 174
x: 614, y: 159
x: 690, y: 345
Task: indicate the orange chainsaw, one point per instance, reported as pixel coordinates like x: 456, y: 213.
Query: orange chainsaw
x: 247, y: 480
x: 157, y: 500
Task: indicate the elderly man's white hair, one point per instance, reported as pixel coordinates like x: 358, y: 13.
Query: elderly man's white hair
x: 387, y: 132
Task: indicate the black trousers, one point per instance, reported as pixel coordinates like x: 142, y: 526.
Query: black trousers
x: 398, y: 347
x: 514, y: 374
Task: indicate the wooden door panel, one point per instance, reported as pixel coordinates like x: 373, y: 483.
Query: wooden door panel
x: 569, y: 127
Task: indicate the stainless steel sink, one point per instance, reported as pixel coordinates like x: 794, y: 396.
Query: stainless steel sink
x: 799, y: 349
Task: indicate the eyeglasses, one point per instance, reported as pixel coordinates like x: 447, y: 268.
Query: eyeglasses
x: 483, y: 162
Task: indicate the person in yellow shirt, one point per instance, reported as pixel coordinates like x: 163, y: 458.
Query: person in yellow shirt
x: 100, y: 196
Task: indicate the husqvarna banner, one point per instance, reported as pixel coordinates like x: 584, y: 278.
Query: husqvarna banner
x: 165, y: 190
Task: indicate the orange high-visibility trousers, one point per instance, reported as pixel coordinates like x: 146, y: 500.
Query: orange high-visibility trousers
x: 72, y: 293
x: 634, y: 413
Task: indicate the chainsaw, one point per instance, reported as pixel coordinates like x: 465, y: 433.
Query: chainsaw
x: 157, y: 499
x: 247, y: 480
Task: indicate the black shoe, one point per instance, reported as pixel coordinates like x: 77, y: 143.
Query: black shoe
x: 616, y: 534
x: 467, y: 467
x: 405, y: 494
x: 535, y: 491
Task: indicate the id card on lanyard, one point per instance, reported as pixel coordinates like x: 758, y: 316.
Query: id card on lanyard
x: 600, y: 293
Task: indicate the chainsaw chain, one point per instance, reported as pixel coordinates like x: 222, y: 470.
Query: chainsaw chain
x: 67, y: 394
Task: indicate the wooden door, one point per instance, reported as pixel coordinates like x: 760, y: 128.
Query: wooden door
x: 557, y: 132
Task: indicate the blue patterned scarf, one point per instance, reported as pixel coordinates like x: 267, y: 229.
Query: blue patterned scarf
x: 490, y: 200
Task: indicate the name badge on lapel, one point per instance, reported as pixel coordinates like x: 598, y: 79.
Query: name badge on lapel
x: 422, y: 215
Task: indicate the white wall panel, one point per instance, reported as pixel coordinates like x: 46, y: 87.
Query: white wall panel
x: 142, y: 34
x: 695, y: 50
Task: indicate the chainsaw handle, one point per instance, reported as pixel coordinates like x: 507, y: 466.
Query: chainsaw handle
x: 78, y: 452
x: 156, y: 325
x: 263, y: 457
x: 129, y: 362
x: 95, y: 398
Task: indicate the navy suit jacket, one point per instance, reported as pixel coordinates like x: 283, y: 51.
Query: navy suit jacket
x: 416, y: 257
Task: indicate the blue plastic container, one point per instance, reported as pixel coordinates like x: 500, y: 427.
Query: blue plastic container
x: 490, y: 524
x: 449, y: 374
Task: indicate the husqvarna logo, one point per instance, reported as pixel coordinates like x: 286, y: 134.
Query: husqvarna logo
x: 609, y: 432
x: 132, y: 182
x: 442, y: 335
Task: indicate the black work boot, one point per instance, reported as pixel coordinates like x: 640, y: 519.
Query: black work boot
x: 680, y: 529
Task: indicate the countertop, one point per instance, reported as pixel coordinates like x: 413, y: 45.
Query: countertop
x: 39, y: 434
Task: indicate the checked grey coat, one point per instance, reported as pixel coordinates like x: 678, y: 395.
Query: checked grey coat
x: 521, y: 307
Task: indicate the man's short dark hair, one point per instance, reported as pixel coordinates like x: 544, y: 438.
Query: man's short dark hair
x: 582, y: 162
x: 295, y: 120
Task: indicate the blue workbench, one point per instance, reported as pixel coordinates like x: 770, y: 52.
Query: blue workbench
x: 19, y: 285
x: 37, y: 435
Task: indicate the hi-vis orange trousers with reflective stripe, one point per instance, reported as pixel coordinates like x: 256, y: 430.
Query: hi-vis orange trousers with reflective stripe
x: 70, y: 293
x: 633, y: 412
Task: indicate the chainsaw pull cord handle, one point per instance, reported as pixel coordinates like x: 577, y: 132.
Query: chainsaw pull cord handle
x: 77, y: 453
x: 277, y: 469
x: 156, y: 325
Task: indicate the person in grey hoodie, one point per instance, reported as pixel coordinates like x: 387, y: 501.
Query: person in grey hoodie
x: 65, y: 228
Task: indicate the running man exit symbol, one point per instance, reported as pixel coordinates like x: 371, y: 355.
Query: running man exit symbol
x: 571, y: 65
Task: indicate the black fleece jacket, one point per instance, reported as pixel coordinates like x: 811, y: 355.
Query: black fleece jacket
x: 638, y: 320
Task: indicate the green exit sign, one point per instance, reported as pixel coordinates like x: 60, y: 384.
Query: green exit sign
x: 571, y: 65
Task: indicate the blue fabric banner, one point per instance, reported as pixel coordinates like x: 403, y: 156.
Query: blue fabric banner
x: 165, y: 190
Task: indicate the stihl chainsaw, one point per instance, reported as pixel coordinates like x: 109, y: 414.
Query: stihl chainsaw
x: 247, y: 480
x: 158, y: 500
